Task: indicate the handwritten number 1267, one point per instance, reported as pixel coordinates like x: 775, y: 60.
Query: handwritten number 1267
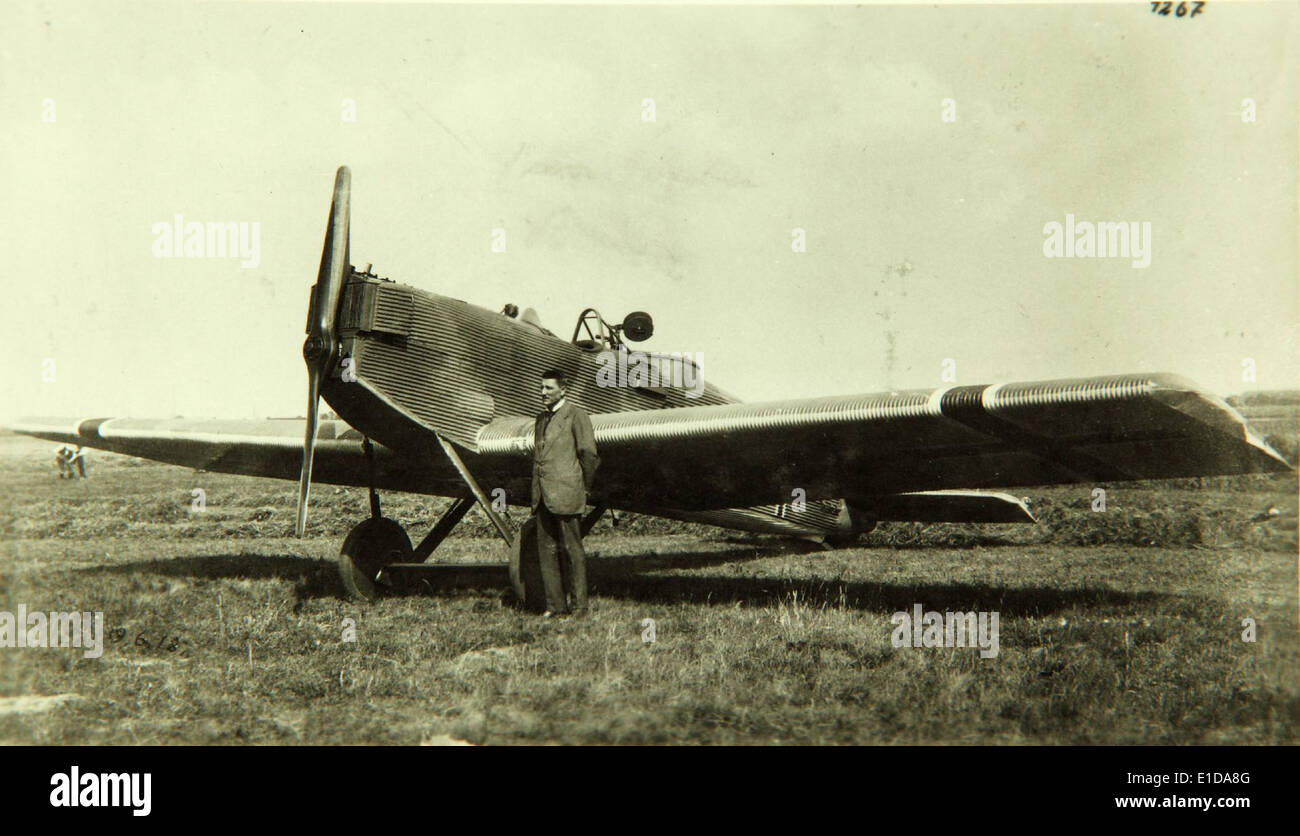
x: 1180, y: 11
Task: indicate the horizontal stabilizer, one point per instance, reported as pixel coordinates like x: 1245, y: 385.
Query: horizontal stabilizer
x: 945, y: 506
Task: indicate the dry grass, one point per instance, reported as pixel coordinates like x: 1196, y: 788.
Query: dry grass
x: 1121, y: 627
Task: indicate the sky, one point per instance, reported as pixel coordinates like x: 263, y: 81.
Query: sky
x: 921, y: 150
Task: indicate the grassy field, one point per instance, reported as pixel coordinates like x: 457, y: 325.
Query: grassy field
x: 1123, y: 626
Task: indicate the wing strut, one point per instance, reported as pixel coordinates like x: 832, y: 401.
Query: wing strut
x: 503, y: 526
x: 443, y: 527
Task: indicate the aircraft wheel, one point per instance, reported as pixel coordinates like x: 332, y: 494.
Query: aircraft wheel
x: 525, y: 571
x: 369, y: 547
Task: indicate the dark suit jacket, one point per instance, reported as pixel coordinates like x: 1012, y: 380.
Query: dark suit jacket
x: 564, y: 460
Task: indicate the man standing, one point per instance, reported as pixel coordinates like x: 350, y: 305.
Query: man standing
x: 564, y: 469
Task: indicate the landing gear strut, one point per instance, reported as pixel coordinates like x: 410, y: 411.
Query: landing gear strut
x: 379, y: 542
x: 378, y: 549
x: 380, y: 545
x: 372, y: 545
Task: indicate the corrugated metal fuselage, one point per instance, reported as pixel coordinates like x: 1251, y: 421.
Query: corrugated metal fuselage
x: 442, y: 364
x: 425, y: 363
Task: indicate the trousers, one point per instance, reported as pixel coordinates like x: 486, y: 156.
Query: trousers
x: 566, y: 575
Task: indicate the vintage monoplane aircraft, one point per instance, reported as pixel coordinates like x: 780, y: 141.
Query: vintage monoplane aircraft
x: 438, y: 397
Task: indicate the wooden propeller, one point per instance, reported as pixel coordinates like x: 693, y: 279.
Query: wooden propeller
x: 320, y: 351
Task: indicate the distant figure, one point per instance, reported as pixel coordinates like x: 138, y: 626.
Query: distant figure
x: 78, y: 459
x: 564, y: 470
x: 64, y: 458
x: 511, y: 311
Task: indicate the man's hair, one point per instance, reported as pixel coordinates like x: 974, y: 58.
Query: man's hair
x: 557, y: 376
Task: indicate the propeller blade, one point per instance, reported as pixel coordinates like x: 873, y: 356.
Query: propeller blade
x: 308, y: 450
x: 321, y: 347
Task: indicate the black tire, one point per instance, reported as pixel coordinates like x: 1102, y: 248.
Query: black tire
x: 525, y: 571
x: 369, y: 547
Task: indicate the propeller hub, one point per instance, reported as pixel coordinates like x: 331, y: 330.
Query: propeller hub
x: 314, y: 349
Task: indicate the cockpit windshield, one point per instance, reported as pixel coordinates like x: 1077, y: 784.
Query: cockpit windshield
x: 593, y: 333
